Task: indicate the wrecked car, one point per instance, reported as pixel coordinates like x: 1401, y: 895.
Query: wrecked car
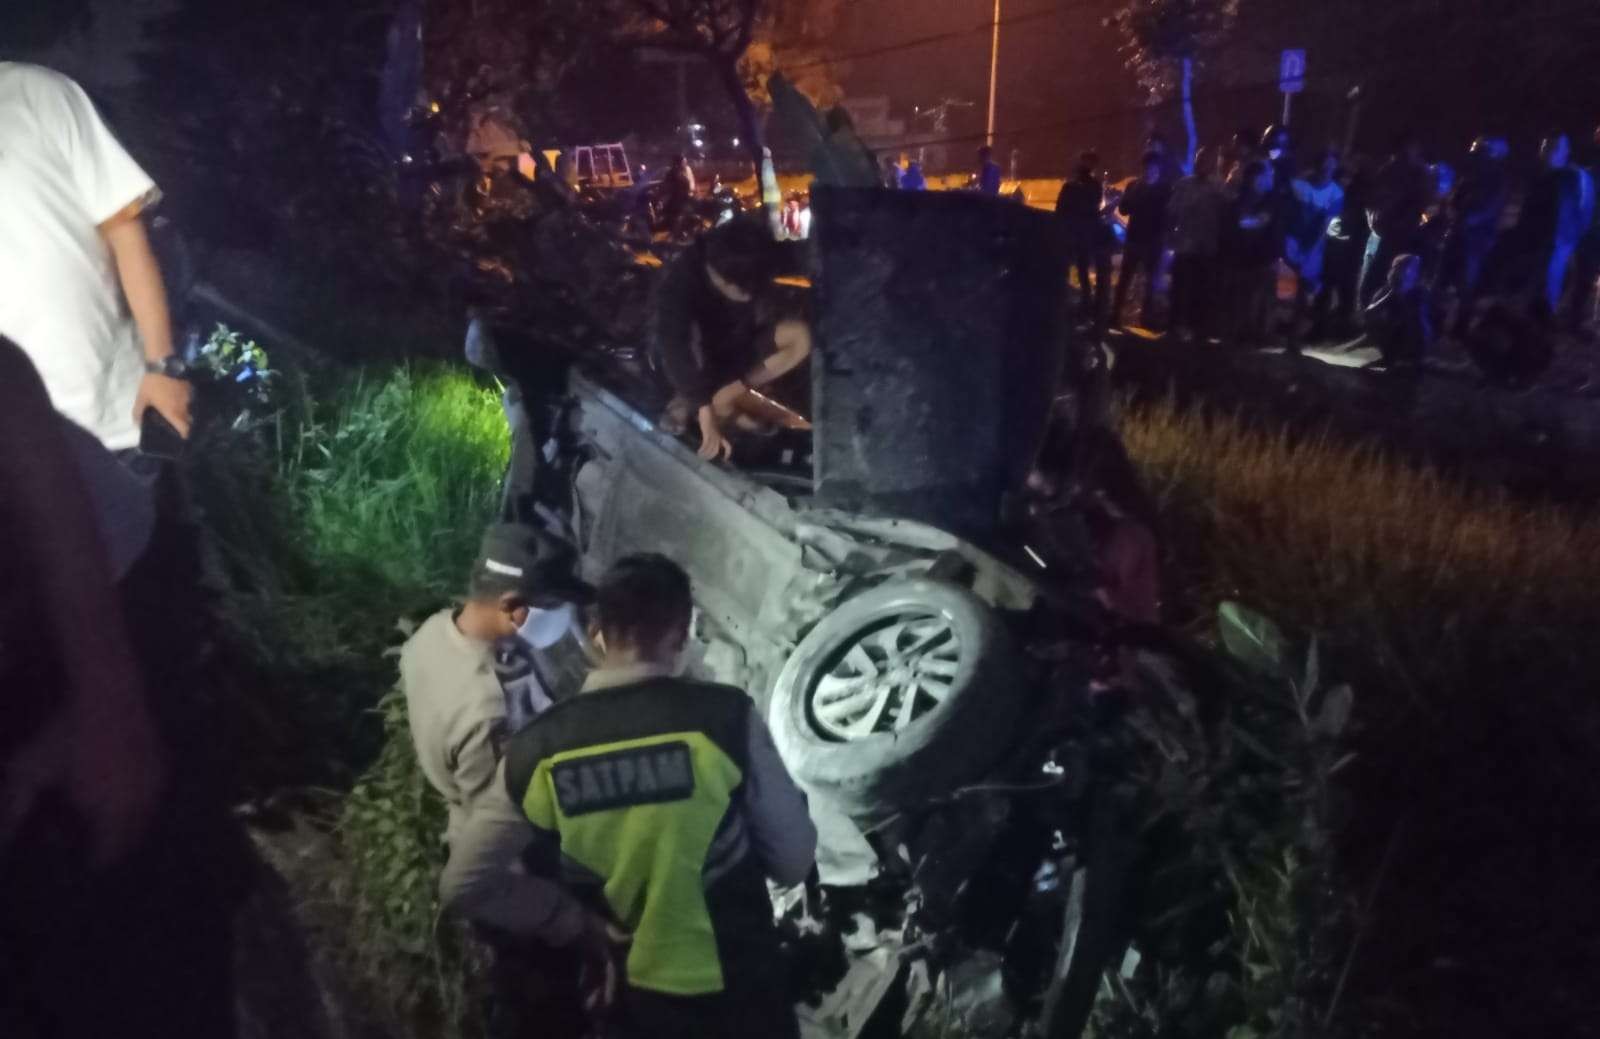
x: 855, y: 577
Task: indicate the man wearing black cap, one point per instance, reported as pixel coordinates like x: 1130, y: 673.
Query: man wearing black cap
x: 461, y: 712
x: 710, y: 333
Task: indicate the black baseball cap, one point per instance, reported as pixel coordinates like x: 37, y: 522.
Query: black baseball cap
x: 516, y: 557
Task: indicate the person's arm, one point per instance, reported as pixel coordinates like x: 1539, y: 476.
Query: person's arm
x: 781, y: 831
x: 101, y: 746
x: 140, y: 277
x: 482, y: 880
x: 114, y: 192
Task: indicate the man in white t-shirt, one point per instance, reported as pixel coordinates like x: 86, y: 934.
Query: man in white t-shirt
x: 80, y: 291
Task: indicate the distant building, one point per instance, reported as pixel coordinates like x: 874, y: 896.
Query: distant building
x: 889, y: 136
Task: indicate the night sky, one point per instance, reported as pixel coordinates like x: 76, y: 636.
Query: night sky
x: 1061, y: 67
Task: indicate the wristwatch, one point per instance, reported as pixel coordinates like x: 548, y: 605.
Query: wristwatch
x: 172, y: 366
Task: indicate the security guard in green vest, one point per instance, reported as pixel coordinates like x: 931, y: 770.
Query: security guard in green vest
x: 670, y: 809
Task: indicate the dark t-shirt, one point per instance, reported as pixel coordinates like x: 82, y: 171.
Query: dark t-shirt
x: 1078, y: 205
x: 1145, y: 206
x: 1400, y: 193
x: 1257, y: 246
x: 725, y: 348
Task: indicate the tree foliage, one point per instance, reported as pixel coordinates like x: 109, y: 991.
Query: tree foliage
x: 794, y: 37
x: 29, y: 26
x: 269, y: 118
x: 511, y: 57
x: 744, y: 42
x: 1159, y: 36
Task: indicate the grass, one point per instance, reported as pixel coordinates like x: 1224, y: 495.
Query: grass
x: 356, y: 506
x: 1465, y: 619
x: 358, y: 502
x: 1438, y: 585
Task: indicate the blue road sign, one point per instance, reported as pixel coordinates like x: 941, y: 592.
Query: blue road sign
x: 1292, y: 72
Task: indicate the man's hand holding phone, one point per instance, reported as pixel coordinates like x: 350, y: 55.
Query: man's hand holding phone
x: 167, y: 396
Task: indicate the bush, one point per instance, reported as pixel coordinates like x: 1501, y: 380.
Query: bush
x: 1466, y: 618
x: 1245, y: 924
x: 391, y: 828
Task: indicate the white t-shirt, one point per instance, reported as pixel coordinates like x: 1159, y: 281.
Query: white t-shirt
x: 62, y: 174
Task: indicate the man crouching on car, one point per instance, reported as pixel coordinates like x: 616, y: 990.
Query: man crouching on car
x: 709, y: 334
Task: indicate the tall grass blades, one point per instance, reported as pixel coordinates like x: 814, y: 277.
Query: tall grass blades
x: 1445, y: 590
x: 398, y: 476
x: 331, y: 520
x: 1467, y: 621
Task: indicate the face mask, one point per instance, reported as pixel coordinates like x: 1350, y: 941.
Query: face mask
x: 1275, y: 154
x: 544, y: 628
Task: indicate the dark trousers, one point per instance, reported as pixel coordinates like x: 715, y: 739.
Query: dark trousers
x: 1142, y: 258
x: 533, y: 990
x: 654, y: 1015
x: 1251, y: 293
x: 1585, y: 271
x: 1334, y: 309
x: 1193, y: 289
x: 1094, y: 293
x: 1462, y: 268
x: 1461, y: 263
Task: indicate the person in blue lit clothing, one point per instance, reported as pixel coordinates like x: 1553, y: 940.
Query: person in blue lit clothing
x: 988, y: 172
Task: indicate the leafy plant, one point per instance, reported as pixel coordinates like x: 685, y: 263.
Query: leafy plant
x: 239, y: 371
x: 391, y: 828
x: 1246, y: 922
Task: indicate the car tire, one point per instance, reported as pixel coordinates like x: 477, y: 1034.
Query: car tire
x: 839, y: 714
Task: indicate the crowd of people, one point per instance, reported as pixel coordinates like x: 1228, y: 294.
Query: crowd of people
x: 614, y: 846
x: 1394, y: 250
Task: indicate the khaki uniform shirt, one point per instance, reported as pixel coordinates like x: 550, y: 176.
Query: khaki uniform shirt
x: 458, y: 726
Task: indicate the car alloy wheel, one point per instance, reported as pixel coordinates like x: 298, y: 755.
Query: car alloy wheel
x: 887, y: 679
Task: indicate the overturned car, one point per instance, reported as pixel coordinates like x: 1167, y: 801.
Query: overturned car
x: 855, y: 577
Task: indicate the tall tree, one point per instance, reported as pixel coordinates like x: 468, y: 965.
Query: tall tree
x: 721, y: 32
x: 744, y: 42
x: 794, y: 36
x: 1165, y: 39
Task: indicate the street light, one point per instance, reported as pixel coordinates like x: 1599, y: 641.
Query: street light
x: 994, y: 71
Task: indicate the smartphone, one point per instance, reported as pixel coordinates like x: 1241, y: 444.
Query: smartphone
x: 158, y: 438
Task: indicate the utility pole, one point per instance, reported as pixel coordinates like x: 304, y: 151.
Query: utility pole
x: 994, y: 71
